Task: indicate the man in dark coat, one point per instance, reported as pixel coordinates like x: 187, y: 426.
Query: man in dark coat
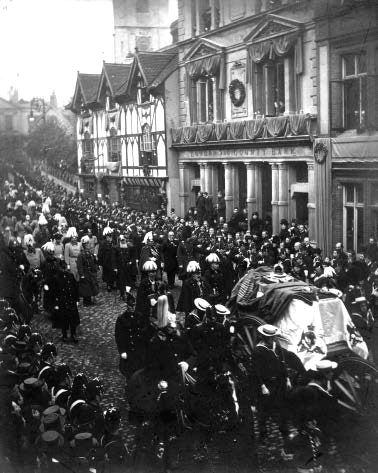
x: 147, y: 291
x: 125, y: 256
x: 66, y: 297
x: 200, y: 206
x: 169, y: 253
x: 106, y: 259
x: 87, y: 269
x: 191, y: 289
x: 255, y: 224
x: 221, y: 206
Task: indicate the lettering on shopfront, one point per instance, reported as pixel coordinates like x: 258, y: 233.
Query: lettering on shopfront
x: 247, y: 153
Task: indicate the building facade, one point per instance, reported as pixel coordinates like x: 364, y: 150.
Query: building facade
x: 123, y: 148
x: 255, y: 80
x: 142, y: 25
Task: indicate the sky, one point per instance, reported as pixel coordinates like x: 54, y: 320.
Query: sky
x: 43, y: 43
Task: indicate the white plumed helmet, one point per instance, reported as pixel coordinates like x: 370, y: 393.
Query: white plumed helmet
x: 148, y: 236
x: 57, y: 217
x: 48, y: 201
x: 212, y: 258
x: 45, y: 208
x: 31, y: 204
x: 49, y: 246
x: 149, y: 266
x: 18, y: 204
x: 71, y: 232
x: 42, y: 220
x: 28, y: 239
x: 107, y: 231
x: 193, y: 267
x: 85, y: 239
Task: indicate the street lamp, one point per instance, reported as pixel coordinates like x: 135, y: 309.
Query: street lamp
x: 39, y: 105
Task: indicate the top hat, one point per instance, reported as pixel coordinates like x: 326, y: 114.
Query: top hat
x: 52, y: 438
x: 269, y: 330
x: 31, y: 384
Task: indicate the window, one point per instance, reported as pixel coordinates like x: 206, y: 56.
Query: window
x: 8, y: 122
x: 205, y: 106
x: 353, y: 222
x: 114, y: 147
x: 205, y: 15
x: 270, y: 84
x: 147, y: 147
x: 88, y: 147
x: 354, y: 81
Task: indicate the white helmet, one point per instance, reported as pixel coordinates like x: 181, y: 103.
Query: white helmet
x: 107, y: 231
x: 193, y: 267
x: 31, y: 204
x: 42, y: 220
x: 149, y: 266
x: 48, y: 247
x: 212, y: 258
x: 85, y: 239
x: 45, y: 208
x: 28, y: 239
x: 148, y: 236
x: 71, y: 232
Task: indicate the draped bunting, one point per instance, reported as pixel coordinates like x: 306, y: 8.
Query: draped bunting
x: 297, y: 124
x: 176, y: 134
x: 189, y: 134
x: 275, y: 126
x: 204, y: 133
x: 254, y: 128
x: 220, y: 130
x: 290, y: 125
x: 211, y: 65
x: 236, y: 130
x: 113, y: 119
x: 279, y: 46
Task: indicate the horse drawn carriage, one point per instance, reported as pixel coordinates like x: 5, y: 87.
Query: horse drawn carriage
x: 314, y: 324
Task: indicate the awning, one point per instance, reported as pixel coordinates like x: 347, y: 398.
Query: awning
x: 355, y: 148
x: 145, y: 181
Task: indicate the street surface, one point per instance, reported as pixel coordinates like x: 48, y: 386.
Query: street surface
x: 96, y: 355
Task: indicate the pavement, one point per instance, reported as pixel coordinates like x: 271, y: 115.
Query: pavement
x: 96, y: 355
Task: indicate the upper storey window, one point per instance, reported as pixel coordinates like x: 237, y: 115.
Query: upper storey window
x: 354, y: 82
x: 205, y: 16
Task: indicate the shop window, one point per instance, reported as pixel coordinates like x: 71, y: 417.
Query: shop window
x: 114, y: 147
x: 355, y: 87
x: 353, y: 222
x: 88, y: 145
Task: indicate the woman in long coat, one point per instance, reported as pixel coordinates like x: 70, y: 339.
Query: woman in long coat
x: 71, y: 252
x: 87, y: 270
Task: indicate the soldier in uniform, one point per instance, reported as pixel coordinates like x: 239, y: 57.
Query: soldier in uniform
x: 106, y: 258
x: 147, y: 293
x: 125, y: 257
x: 169, y: 252
x: 192, y: 288
x: 215, y: 287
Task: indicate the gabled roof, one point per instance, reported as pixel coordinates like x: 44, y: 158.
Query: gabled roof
x: 116, y: 77
x: 151, y: 64
x: 166, y: 72
x: 203, y: 47
x: 86, y: 88
x: 272, y: 25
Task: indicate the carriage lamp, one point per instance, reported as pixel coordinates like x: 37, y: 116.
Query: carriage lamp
x: 163, y: 385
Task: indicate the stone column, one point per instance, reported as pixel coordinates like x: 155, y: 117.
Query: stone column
x: 203, y: 167
x: 275, y: 218
x: 258, y: 193
x: 228, y: 189
x: 213, y: 186
x: 251, y: 189
x: 208, y: 186
x: 311, y: 205
x: 186, y: 174
x: 283, y: 191
x: 289, y: 85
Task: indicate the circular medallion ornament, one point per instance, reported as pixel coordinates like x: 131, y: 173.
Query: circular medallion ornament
x: 236, y: 89
x: 320, y: 152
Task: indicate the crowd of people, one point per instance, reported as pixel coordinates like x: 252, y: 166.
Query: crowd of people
x: 51, y: 248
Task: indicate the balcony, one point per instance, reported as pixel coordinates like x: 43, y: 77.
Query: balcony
x: 259, y: 130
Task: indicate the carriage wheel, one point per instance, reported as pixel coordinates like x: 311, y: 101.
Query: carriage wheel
x: 247, y: 332
x: 356, y: 385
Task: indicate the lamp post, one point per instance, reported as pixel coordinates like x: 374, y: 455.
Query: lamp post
x: 39, y: 105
